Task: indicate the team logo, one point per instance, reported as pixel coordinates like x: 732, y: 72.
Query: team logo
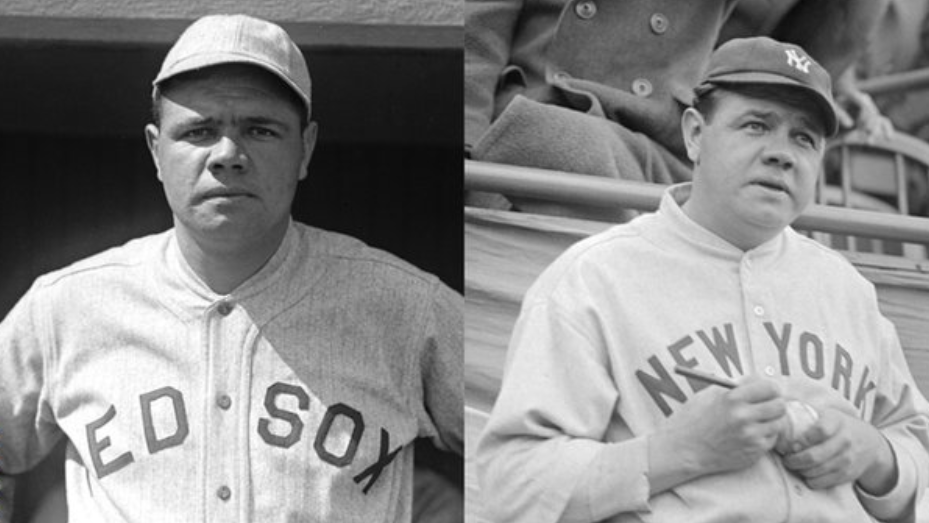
x: 797, y: 60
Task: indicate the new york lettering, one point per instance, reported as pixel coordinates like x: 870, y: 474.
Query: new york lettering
x: 799, y: 354
x: 158, y: 439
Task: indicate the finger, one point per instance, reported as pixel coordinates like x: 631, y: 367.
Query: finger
x: 886, y: 128
x: 806, y: 460
x: 816, y: 434
x: 770, y: 431
x: 827, y: 426
x: 828, y: 480
x: 755, y: 390
x: 772, y: 411
x: 845, y: 120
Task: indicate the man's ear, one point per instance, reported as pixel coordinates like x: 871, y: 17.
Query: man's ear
x: 692, y: 124
x: 309, y: 145
x: 152, y: 133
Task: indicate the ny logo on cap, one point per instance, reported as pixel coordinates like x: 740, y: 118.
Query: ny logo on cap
x: 797, y: 60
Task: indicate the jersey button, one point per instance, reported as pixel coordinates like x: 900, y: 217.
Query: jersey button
x: 659, y: 23
x: 224, y: 308
x: 759, y: 310
x: 585, y: 9
x: 223, y: 493
x: 769, y: 370
x: 642, y: 87
x: 224, y: 401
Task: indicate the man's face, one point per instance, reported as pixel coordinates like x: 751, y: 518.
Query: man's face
x: 757, y: 162
x: 230, y: 153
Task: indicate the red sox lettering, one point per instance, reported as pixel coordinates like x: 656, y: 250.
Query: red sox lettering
x: 158, y: 439
x: 798, y: 353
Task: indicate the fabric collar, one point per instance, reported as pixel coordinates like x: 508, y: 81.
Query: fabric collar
x: 688, y: 232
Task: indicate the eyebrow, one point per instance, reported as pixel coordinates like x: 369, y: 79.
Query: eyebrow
x: 264, y: 120
x: 805, y: 120
x: 196, y: 121
x: 758, y: 113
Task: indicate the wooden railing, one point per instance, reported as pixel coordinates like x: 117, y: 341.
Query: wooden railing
x: 572, y: 188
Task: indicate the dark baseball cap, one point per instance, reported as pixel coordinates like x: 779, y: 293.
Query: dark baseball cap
x: 762, y: 60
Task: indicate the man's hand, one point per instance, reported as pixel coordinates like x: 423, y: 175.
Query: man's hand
x: 716, y: 431
x: 857, y: 110
x: 841, y: 448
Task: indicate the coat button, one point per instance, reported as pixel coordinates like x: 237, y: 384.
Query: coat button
x: 561, y: 76
x: 224, y: 308
x: 642, y: 87
x: 585, y: 9
x: 224, y: 401
x: 223, y: 493
x: 658, y: 23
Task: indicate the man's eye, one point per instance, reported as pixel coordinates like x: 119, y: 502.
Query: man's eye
x: 806, y: 140
x: 263, y: 132
x: 198, y: 133
x: 756, y: 126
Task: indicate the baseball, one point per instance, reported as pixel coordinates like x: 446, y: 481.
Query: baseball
x: 800, y: 417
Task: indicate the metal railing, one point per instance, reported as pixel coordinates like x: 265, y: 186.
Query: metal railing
x: 907, y: 80
x: 573, y: 188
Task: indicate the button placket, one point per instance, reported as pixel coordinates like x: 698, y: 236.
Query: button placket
x: 227, y: 333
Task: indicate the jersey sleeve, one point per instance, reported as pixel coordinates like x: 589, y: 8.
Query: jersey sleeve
x: 442, y: 369
x: 544, y: 439
x: 901, y: 413
x: 27, y: 428
x: 488, y: 35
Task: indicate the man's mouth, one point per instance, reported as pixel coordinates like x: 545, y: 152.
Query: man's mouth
x: 225, y: 193
x: 773, y: 185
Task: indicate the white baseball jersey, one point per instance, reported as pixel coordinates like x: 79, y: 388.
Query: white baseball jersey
x: 294, y: 398
x: 589, y: 375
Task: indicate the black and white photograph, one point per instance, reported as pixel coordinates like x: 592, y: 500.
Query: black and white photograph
x: 232, y: 261
x: 696, y: 281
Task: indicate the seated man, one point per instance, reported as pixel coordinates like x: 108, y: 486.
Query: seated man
x: 592, y: 423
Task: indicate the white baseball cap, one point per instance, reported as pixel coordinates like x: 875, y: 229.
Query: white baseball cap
x: 238, y: 39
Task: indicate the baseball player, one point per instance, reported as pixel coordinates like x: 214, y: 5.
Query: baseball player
x: 820, y: 419
x: 240, y: 366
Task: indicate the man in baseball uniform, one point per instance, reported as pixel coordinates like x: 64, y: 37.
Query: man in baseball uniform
x: 593, y: 423
x: 240, y: 366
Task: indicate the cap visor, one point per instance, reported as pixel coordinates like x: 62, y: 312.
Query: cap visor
x: 205, y: 60
x: 754, y: 77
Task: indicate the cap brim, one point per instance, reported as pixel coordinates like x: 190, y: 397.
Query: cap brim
x: 755, y: 77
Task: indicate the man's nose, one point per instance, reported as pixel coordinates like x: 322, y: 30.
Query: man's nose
x: 779, y: 152
x: 228, y: 155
